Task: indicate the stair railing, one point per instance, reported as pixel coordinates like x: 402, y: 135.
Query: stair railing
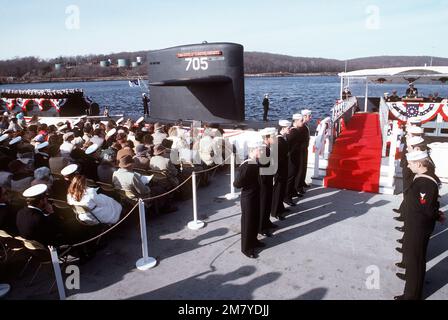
x: 323, y: 133
x: 384, y: 124
x: 343, y: 110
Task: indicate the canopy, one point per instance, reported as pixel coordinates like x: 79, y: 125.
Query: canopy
x: 428, y: 75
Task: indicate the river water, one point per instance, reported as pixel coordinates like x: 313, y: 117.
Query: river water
x: 288, y: 95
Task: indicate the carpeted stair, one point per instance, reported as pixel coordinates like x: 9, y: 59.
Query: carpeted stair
x: 355, y: 161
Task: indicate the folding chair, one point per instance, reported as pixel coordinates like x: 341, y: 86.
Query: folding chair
x: 9, y: 246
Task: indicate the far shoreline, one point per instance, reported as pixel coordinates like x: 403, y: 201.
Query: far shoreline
x: 100, y: 79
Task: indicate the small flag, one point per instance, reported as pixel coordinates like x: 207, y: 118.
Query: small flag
x: 134, y: 83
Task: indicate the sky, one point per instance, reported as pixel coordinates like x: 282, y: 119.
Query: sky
x: 342, y: 29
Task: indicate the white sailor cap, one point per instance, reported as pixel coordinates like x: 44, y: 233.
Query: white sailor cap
x: 306, y: 112
x: 255, y: 144
x: 78, y: 141
x: 5, y: 113
x: 35, y: 191
x: 415, y: 130
x: 69, y: 170
x: 415, y: 120
x: 4, y: 137
x: 415, y: 141
x: 297, y: 116
x: 67, y: 136
x: 140, y: 120
x: 268, y: 132
x: 111, y: 132
x: 15, y: 140
x: 39, y: 138
x: 92, y: 149
x: 416, y: 155
x: 120, y: 120
x: 285, y: 123
x: 42, y: 145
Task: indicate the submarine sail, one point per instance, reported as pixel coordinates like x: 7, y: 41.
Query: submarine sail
x: 198, y: 82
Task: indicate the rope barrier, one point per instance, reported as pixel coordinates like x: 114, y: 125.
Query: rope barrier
x: 129, y: 213
x: 184, y: 182
x: 101, y: 234
x: 168, y: 192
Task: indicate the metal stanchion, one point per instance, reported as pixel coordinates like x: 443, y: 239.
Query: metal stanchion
x: 146, y: 262
x: 195, y: 224
x: 232, y: 195
x: 57, y: 272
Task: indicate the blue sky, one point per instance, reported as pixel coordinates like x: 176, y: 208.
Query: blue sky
x: 340, y: 29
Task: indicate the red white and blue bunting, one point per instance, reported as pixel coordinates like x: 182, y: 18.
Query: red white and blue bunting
x: 404, y: 110
x: 58, y: 103
x: 23, y: 103
x: 444, y: 112
x: 10, y: 103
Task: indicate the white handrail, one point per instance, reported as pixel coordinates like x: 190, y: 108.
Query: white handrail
x: 384, y: 124
x: 323, y: 131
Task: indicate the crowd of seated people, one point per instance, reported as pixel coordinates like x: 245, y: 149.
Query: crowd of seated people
x: 98, y: 170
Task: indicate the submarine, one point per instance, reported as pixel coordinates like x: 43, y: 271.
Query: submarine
x: 202, y: 82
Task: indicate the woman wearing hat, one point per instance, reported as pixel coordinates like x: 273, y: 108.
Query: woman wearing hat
x: 129, y: 181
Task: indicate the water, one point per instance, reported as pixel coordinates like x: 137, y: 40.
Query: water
x: 288, y: 95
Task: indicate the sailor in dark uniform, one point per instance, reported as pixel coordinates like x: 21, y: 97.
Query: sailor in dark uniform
x: 421, y: 214
x: 41, y: 157
x: 248, y: 181
x: 412, y: 130
x: 281, y: 177
x: 4, y: 140
x: 411, y: 92
x: 36, y: 221
x: 60, y: 186
x: 90, y: 162
x: 14, y: 145
x: 301, y: 176
x: 266, y: 181
x: 145, y: 100
x: 296, y: 141
x: 265, y: 104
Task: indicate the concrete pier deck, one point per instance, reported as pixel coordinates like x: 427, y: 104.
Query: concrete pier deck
x: 335, y: 244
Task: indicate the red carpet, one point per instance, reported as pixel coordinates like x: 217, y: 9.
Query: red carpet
x: 355, y: 161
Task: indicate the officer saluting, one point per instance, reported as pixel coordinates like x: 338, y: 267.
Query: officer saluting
x: 281, y: 177
x: 266, y: 182
x: 301, y: 176
x: 296, y: 141
x: 421, y: 213
x: 248, y: 181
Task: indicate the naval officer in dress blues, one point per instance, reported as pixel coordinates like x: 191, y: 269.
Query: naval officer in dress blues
x: 300, y: 182
x: 421, y: 213
x: 248, y: 181
x: 281, y: 177
x: 37, y: 221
